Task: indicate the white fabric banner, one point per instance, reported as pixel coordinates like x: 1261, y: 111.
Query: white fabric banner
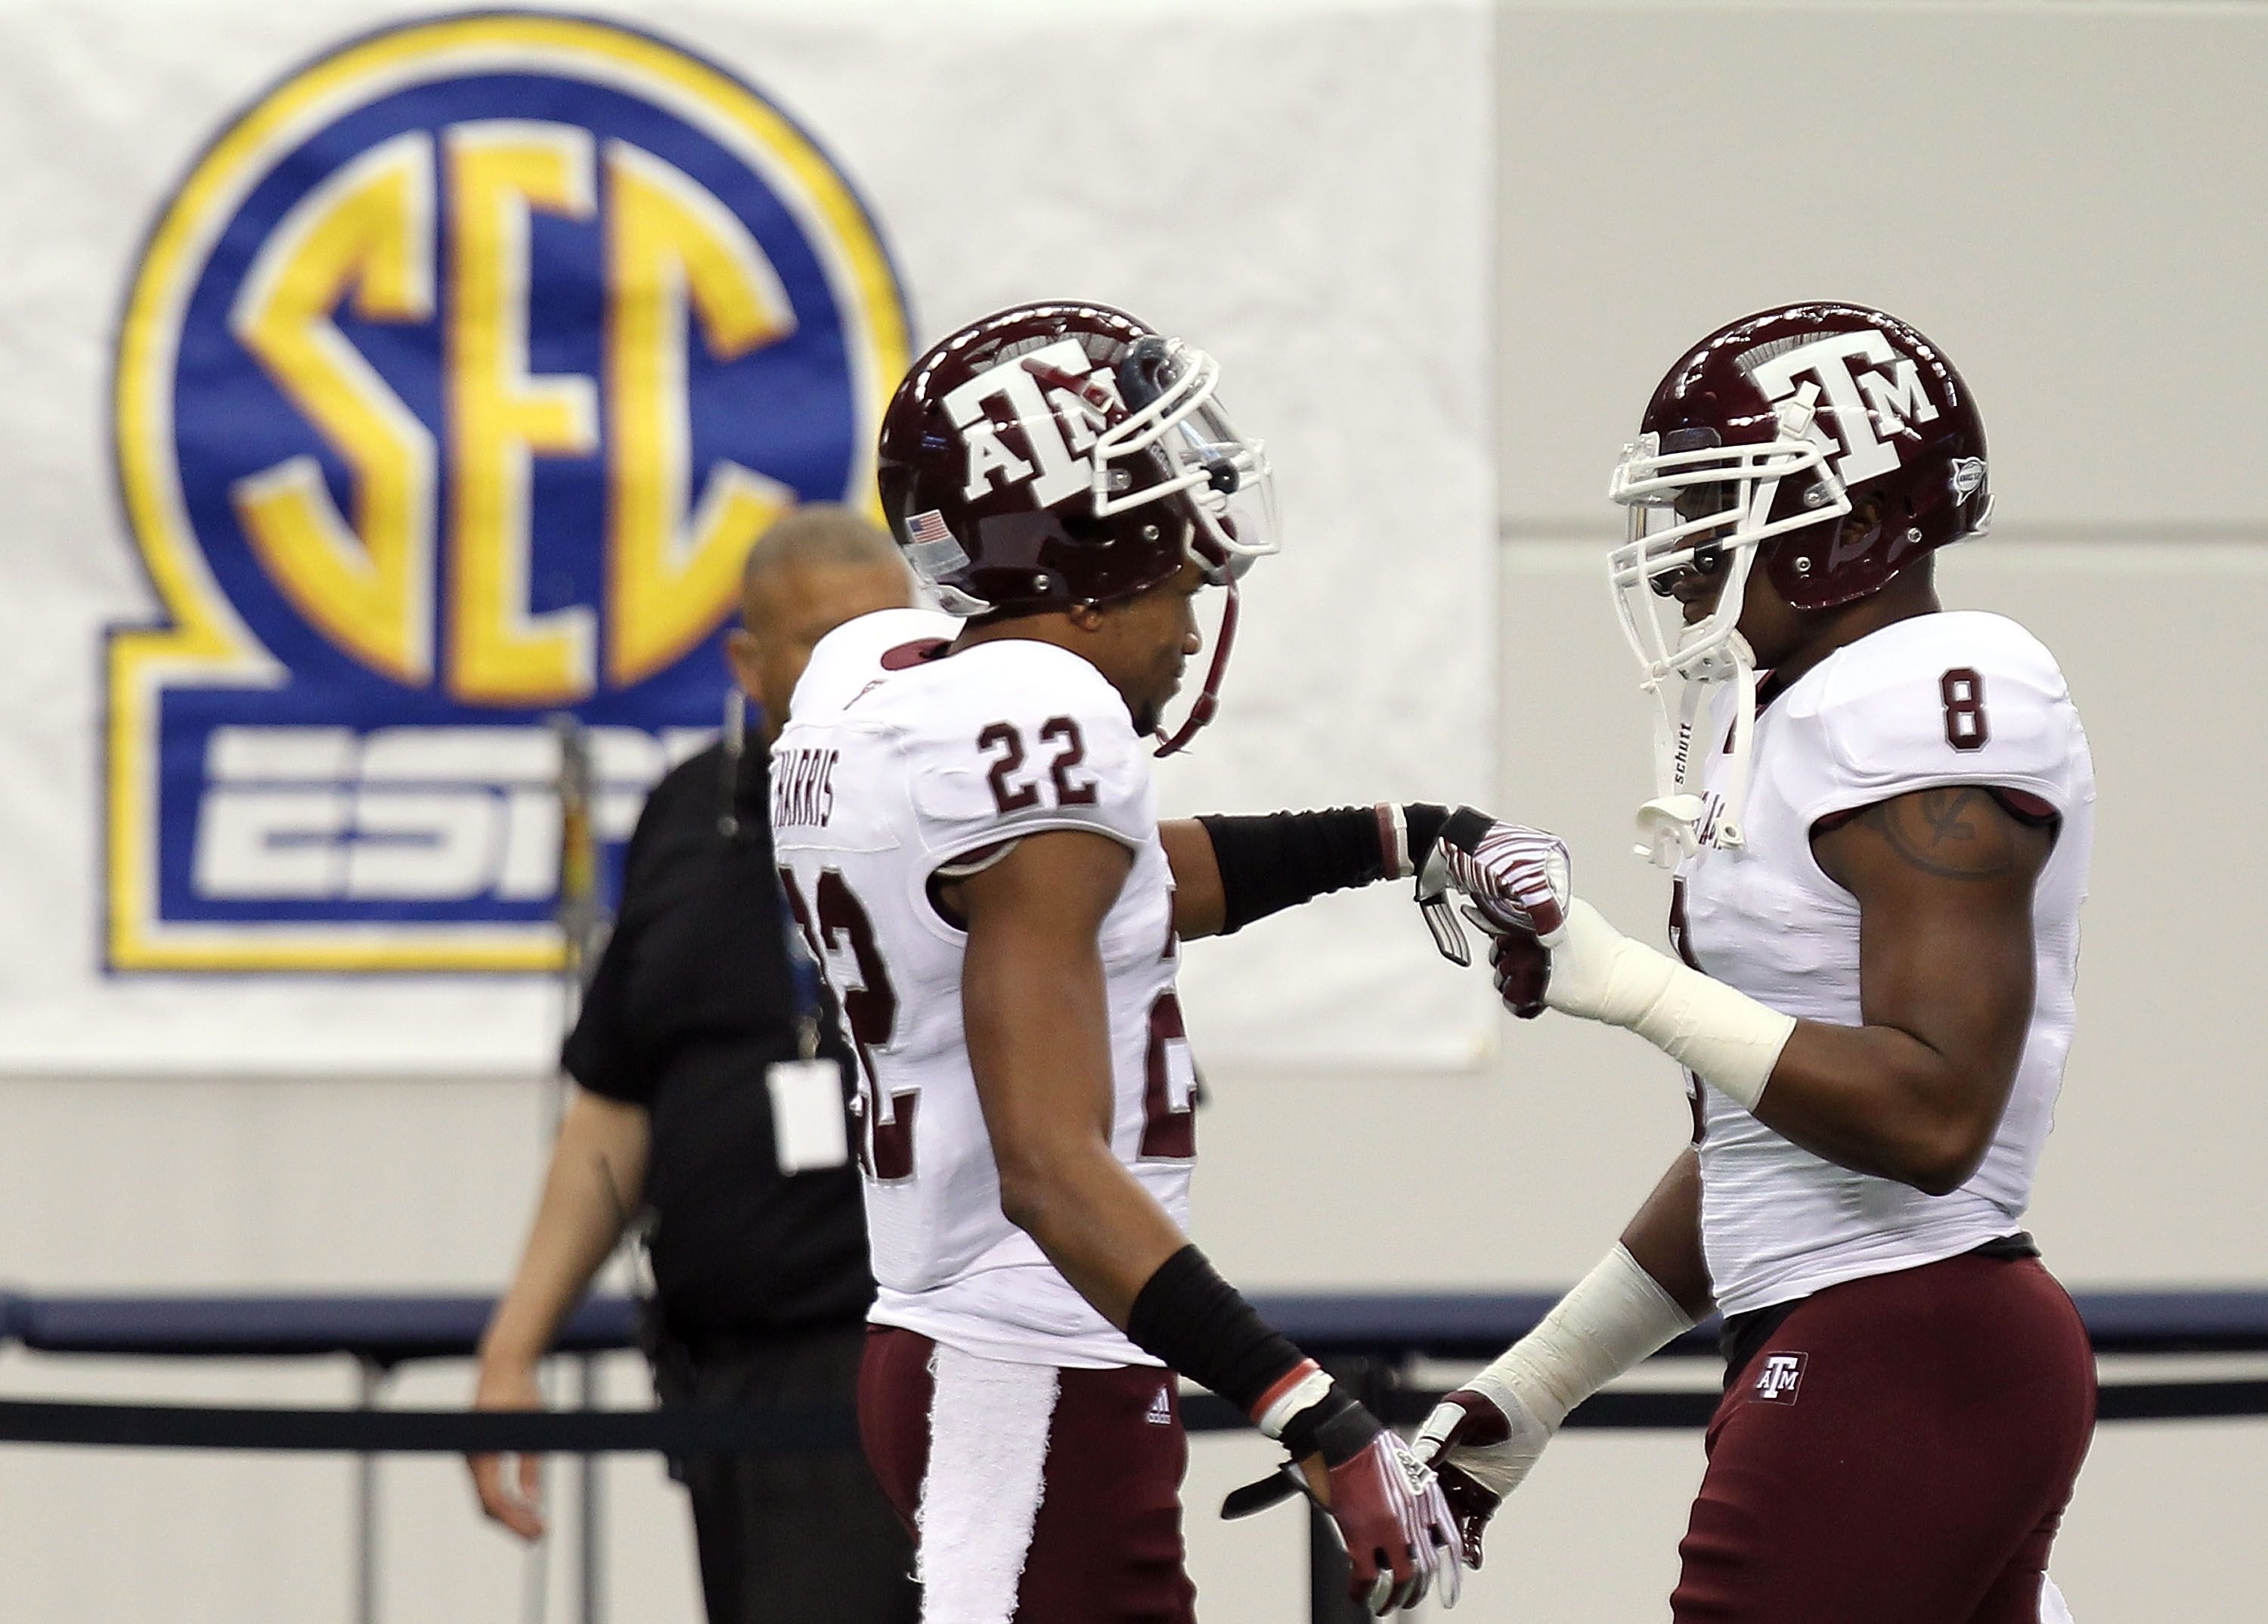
x: 376, y: 382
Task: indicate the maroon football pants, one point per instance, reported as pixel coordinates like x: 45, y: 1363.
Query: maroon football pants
x: 1900, y: 1451
x: 1079, y: 1471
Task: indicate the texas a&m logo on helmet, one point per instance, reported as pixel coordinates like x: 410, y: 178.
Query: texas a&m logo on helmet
x: 1831, y: 446
x: 454, y: 383
x: 1868, y: 390
x: 1840, y: 435
x: 1065, y: 453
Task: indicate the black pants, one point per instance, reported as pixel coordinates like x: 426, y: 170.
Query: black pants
x: 789, y: 1538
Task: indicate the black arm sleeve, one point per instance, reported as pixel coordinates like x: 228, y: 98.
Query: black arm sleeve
x: 1277, y: 861
x: 1187, y: 1314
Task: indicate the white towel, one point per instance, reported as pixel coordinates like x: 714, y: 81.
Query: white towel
x: 988, y: 1449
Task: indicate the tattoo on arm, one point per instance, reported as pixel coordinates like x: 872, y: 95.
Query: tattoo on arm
x: 1954, y: 834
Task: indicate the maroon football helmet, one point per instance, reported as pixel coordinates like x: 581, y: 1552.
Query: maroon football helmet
x: 1060, y: 453
x: 1836, y: 441
x: 1832, y: 442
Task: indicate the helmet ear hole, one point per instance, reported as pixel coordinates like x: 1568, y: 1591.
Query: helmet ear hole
x: 1143, y: 371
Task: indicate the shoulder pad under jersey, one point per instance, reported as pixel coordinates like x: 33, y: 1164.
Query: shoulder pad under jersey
x: 1015, y: 737
x: 863, y: 651
x: 1957, y: 697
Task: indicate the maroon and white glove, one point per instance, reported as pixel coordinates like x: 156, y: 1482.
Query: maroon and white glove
x: 1387, y: 1509
x: 1517, y: 877
x: 1521, y: 966
x: 1484, y: 1438
x: 1385, y: 1505
x: 1470, y: 1443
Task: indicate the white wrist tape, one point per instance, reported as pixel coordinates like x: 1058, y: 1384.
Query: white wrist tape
x: 1615, y: 1316
x: 1304, y: 1387
x: 1718, y: 1032
x: 1393, y: 843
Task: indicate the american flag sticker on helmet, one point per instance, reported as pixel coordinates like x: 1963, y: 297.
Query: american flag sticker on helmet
x: 930, y: 546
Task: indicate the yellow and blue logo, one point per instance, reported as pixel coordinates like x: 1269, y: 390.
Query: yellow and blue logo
x: 453, y: 386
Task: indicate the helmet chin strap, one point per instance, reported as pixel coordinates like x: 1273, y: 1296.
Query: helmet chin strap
x: 1679, y: 821
x: 1208, y: 699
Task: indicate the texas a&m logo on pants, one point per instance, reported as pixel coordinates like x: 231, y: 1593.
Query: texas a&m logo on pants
x: 1778, y: 1378
x: 453, y: 385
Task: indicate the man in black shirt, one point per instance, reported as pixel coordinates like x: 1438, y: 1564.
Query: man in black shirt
x: 692, y: 1104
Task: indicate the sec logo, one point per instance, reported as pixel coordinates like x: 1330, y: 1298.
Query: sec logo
x: 453, y: 385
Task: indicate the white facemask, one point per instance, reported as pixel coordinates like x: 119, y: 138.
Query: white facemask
x: 1701, y: 677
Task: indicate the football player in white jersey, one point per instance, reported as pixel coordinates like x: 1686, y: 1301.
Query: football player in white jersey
x: 1880, y: 814
x: 968, y: 837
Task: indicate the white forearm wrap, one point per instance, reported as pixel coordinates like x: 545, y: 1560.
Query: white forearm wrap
x: 1719, y: 1033
x: 1615, y: 1317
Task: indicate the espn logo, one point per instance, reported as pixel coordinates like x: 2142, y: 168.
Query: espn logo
x: 1780, y: 1380
x: 405, y: 814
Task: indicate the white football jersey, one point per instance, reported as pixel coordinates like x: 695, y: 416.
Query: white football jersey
x: 895, y: 763
x: 1939, y: 700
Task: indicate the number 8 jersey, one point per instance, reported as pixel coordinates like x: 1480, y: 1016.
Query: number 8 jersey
x: 1939, y: 701
x: 900, y: 764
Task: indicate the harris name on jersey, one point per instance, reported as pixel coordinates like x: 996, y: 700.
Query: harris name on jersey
x: 454, y: 382
x: 803, y: 788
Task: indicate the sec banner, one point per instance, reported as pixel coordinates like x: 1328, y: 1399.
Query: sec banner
x: 453, y: 385
x: 380, y: 382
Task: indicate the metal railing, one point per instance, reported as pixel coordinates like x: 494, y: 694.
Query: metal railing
x: 1369, y: 1341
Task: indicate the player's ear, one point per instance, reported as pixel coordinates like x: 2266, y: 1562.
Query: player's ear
x: 745, y: 654
x: 1086, y: 617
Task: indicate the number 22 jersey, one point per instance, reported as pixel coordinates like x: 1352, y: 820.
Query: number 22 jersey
x: 899, y: 762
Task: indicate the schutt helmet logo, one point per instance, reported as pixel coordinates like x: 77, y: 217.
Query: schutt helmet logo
x: 1780, y: 1379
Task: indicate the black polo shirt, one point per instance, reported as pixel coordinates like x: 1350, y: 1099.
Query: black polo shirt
x: 692, y: 1000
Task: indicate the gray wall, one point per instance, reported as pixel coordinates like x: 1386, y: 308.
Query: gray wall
x: 2071, y: 199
